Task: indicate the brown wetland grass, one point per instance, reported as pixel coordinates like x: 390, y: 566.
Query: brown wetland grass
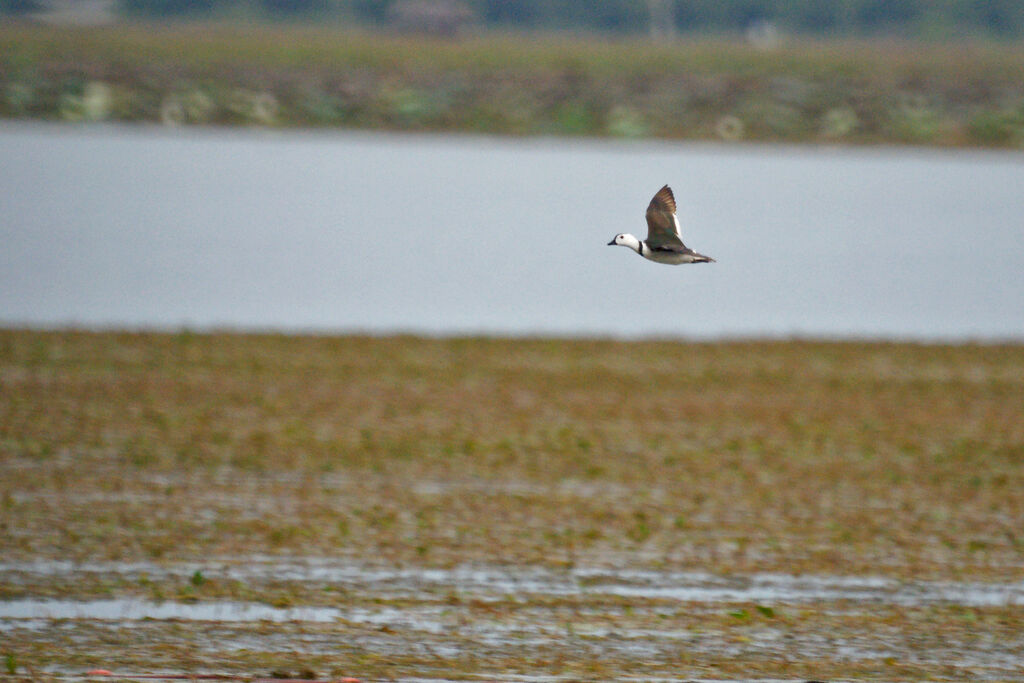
x: 895, y: 460
x: 846, y: 92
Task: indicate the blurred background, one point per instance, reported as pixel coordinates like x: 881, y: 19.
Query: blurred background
x: 458, y: 167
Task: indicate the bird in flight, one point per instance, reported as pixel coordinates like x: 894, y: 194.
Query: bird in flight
x: 663, y: 243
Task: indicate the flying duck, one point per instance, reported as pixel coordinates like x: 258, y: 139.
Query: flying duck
x: 663, y: 243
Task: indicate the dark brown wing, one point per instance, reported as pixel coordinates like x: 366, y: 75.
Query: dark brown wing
x: 662, y: 224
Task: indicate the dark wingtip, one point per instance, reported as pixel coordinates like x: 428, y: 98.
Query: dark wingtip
x: 663, y: 200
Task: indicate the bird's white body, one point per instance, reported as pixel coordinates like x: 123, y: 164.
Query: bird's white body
x: 664, y: 243
x: 673, y: 258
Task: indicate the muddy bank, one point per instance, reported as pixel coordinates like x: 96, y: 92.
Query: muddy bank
x: 465, y: 508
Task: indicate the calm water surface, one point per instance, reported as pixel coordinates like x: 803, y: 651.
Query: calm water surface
x: 144, y: 227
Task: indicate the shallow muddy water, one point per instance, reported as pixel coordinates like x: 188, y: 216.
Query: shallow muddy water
x: 481, y: 619
x: 494, y: 582
x: 132, y: 610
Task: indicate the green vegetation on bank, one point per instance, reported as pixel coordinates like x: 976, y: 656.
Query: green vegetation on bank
x: 836, y: 92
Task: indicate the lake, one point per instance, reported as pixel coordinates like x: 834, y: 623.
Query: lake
x: 144, y: 227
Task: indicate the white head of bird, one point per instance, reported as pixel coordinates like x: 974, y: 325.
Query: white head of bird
x: 626, y: 240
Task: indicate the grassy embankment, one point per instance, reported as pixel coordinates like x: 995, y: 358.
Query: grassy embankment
x: 848, y: 92
x: 895, y: 460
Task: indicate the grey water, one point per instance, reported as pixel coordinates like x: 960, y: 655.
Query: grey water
x: 120, y: 609
x: 142, y: 227
x: 478, y: 582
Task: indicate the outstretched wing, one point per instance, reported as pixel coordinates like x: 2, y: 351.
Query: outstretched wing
x: 662, y: 224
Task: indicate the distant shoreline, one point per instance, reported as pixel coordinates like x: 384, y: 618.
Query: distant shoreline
x: 837, y: 93
x: 310, y: 335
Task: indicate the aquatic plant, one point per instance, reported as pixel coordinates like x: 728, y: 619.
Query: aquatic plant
x: 93, y: 103
x: 257, y: 107
x: 318, y: 107
x: 190, y: 105
x: 1003, y: 128
x: 839, y: 122
x: 730, y: 127
x: 626, y: 122
x: 916, y: 119
x: 19, y: 98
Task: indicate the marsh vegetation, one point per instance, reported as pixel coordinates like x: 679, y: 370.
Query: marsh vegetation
x: 163, y: 467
